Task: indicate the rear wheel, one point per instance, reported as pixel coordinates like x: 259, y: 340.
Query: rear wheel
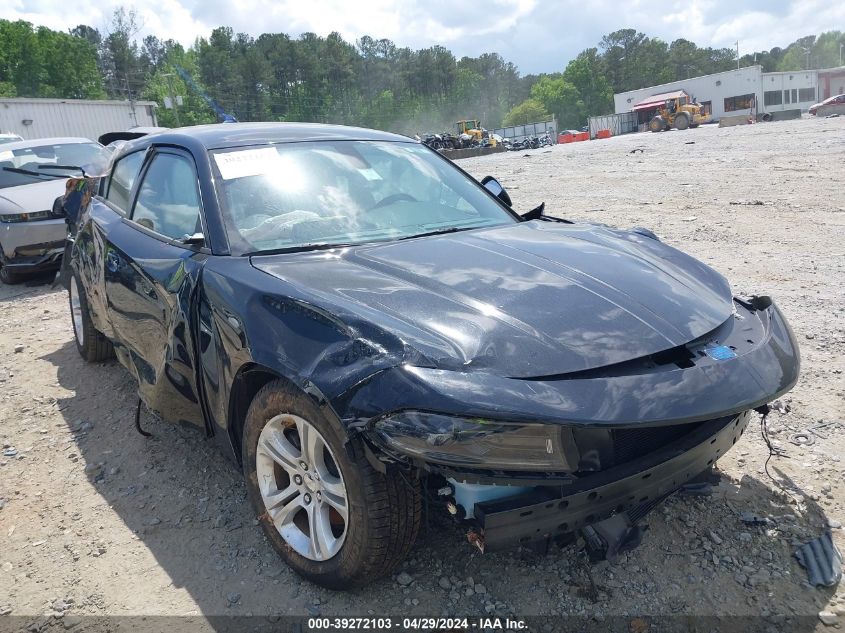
x: 91, y: 344
x: 682, y: 121
x: 330, y: 515
x: 656, y: 124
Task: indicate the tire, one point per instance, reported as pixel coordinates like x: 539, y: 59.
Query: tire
x: 8, y: 277
x: 91, y: 344
x: 656, y: 124
x: 681, y: 121
x: 382, y: 509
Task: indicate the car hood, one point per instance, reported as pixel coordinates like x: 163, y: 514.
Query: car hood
x: 534, y: 299
x: 38, y: 196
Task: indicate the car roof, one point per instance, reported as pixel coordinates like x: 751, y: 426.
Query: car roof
x: 223, y: 135
x: 39, y: 142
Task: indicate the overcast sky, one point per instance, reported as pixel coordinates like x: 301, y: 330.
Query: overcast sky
x: 537, y: 36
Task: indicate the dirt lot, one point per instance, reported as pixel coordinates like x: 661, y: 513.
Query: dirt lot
x: 97, y: 520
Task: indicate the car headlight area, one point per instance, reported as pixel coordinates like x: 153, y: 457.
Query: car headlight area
x: 475, y: 442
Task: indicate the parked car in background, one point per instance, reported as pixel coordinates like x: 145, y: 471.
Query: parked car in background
x: 355, y: 320
x: 112, y: 140
x: 835, y: 100
x: 32, y: 176
x: 9, y: 138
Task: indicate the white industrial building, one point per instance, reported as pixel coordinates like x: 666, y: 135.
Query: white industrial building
x: 41, y: 118
x: 732, y: 92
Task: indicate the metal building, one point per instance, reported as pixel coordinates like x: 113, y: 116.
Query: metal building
x: 733, y: 92
x: 40, y: 118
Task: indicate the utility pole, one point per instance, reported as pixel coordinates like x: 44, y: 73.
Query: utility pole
x: 840, y: 53
x: 173, y: 97
x: 737, y: 54
x: 131, y: 99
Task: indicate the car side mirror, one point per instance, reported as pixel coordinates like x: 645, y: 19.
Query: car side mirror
x: 495, y: 187
x: 197, y: 239
x: 58, y: 210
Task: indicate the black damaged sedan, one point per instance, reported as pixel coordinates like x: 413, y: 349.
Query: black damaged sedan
x: 365, y: 328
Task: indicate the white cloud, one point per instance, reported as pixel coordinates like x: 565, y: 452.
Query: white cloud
x: 537, y: 36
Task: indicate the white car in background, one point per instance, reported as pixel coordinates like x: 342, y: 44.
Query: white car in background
x: 32, y: 175
x: 8, y: 137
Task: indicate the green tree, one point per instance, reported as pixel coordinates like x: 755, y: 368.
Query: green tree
x: 586, y: 73
x: 45, y: 63
x: 529, y: 111
x: 561, y: 98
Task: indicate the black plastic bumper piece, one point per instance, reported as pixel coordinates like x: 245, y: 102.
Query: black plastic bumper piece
x: 641, y: 483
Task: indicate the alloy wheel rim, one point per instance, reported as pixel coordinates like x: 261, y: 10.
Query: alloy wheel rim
x: 76, y: 312
x: 301, y: 486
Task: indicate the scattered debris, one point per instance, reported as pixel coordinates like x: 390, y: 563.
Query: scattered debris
x: 781, y: 406
x: 637, y: 149
x: 749, y: 518
x: 18, y: 349
x: 689, y: 143
x: 404, y: 579
x: 476, y: 539
x: 828, y: 618
x: 10, y: 451
x: 750, y: 203
x: 802, y: 439
x: 822, y: 560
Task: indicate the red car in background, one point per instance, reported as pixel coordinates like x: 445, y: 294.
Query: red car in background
x: 835, y: 100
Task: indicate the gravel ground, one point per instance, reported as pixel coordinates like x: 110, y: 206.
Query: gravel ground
x: 97, y: 520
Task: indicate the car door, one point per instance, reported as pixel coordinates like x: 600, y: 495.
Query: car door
x: 152, y: 262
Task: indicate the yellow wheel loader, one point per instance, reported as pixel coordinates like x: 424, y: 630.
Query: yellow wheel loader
x: 677, y: 113
x: 472, y: 128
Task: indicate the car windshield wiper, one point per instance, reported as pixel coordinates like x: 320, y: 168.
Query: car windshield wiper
x: 317, y: 246
x: 27, y: 172
x: 65, y: 167
x: 450, y: 229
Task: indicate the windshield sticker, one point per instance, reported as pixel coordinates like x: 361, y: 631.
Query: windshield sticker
x: 248, y: 162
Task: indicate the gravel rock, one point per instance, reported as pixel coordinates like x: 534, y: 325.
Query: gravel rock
x: 404, y: 579
x: 444, y: 583
x: 828, y: 618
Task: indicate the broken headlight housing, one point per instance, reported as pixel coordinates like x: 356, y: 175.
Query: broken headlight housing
x: 475, y: 442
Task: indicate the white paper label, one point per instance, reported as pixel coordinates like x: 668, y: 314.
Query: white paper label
x: 248, y: 162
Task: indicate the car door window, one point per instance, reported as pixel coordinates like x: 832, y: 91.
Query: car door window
x: 123, y: 177
x: 168, y: 201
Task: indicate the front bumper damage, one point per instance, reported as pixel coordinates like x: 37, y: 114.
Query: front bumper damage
x: 633, y: 487
x: 630, y: 435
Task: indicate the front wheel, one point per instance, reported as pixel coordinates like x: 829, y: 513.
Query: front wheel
x: 91, y: 344
x: 330, y: 515
x: 656, y: 124
x: 8, y: 277
x: 682, y: 121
